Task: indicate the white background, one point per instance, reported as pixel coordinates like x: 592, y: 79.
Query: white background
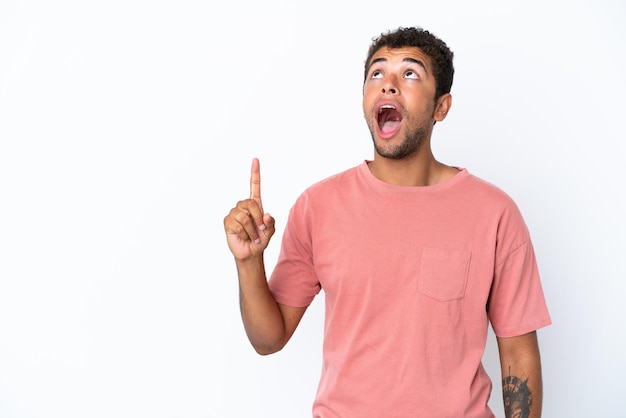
x: 126, y: 134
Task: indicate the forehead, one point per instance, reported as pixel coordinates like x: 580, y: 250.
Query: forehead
x: 396, y: 55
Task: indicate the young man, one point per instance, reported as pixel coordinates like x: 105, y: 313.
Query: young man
x: 415, y: 257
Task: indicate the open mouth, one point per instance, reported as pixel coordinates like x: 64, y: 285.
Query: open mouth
x: 389, y: 119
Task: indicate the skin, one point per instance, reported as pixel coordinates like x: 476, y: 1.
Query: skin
x: 401, y: 78
x: 268, y: 324
x: 396, y: 77
x: 522, y: 387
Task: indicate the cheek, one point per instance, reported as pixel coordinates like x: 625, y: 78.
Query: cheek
x: 366, y: 106
x: 369, y: 99
x: 371, y: 88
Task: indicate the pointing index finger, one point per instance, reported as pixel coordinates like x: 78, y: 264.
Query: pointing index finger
x: 255, y: 182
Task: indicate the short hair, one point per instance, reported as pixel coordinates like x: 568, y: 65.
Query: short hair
x: 440, y: 55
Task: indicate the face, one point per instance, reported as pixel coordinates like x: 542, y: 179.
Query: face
x: 399, y: 101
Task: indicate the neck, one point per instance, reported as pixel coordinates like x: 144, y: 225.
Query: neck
x: 420, y: 170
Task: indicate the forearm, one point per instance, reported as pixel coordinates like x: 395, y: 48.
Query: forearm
x: 261, y: 315
x: 522, y: 388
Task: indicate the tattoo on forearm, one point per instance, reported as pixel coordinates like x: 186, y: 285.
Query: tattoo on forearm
x: 518, y: 398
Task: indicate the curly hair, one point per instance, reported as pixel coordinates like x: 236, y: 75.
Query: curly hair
x: 440, y: 55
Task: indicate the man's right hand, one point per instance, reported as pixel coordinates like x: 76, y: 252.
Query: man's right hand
x: 248, y: 228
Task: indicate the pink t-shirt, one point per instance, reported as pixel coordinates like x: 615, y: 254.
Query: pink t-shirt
x: 411, y: 277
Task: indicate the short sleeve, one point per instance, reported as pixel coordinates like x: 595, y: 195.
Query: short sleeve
x: 516, y: 303
x: 293, y: 281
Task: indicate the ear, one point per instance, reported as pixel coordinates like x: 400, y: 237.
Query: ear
x: 442, y: 107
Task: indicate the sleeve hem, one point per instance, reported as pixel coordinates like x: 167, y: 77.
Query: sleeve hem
x: 521, y: 330
x: 291, y: 301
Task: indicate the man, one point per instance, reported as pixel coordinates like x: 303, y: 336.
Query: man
x: 415, y: 257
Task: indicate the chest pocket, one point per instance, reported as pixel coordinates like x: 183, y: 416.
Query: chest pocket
x: 443, y: 273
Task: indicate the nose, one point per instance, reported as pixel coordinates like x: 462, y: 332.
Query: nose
x: 390, y: 85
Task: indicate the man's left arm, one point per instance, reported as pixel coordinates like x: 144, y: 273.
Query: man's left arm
x: 522, y: 388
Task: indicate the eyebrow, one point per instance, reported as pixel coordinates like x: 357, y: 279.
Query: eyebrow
x: 407, y: 59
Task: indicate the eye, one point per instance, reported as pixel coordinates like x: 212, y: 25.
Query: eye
x: 411, y: 74
x: 376, y: 74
